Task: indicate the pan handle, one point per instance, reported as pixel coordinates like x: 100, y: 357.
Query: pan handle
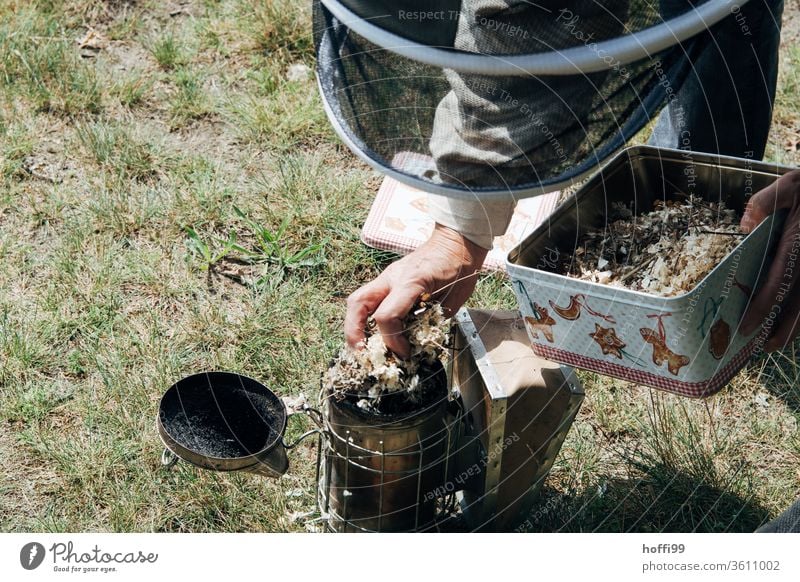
x: 316, y: 418
x: 168, y: 458
x: 301, y: 438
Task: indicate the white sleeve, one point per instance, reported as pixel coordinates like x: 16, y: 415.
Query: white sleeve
x: 478, y: 221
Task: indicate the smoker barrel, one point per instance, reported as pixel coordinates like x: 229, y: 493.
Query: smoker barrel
x: 384, y: 474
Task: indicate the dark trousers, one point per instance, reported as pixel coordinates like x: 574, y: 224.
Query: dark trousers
x: 725, y: 105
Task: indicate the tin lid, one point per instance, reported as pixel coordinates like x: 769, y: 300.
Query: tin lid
x: 500, y: 346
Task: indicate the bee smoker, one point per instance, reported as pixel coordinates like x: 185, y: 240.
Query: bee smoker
x: 481, y: 453
x: 518, y: 409
x: 475, y: 459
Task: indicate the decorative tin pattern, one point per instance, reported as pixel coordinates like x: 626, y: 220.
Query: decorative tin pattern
x: 689, y: 344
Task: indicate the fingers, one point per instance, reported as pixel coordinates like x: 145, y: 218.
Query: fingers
x: 360, y: 304
x: 779, y: 282
x: 762, y: 204
x: 789, y: 325
x: 390, y: 315
x: 782, y: 193
x: 783, y: 273
x: 457, y: 294
x: 389, y: 306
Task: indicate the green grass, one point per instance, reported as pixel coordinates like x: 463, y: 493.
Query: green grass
x: 39, y: 57
x: 278, y: 27
x: 190, y: 100
x: 785, y: 131
x: 17, y: 145
x: 202, y: 215
x: 168, y: 51
x: 131, y: 90
x: 115, y: 149
x: 288, y: 119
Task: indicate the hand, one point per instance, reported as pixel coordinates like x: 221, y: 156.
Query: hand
x: 779, y: 296
x: 445, y: 258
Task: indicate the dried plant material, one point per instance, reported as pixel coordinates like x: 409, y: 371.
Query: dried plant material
x: 665, y: 252
x: 298, y: 73
x: 93, y: 40
x: 377, y: 381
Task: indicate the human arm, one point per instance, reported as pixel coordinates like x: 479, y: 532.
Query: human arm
x: 449, y: 261
x: 781, y: 290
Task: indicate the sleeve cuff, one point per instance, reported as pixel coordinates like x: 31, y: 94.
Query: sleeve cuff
x: 476, y: 220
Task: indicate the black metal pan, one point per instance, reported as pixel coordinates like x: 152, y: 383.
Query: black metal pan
x: 224, y: 422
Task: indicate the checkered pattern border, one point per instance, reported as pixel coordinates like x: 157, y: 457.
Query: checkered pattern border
x: 688, y: 389
x: 373, y: 235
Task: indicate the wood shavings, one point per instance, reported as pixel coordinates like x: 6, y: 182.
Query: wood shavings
x: 367, y: 376
x: 664, y: 252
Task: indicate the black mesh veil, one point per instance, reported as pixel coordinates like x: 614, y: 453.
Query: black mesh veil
x: 491, y: 97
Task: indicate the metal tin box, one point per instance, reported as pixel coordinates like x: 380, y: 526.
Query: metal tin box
x: 687, y: 344
x: 517, y: 411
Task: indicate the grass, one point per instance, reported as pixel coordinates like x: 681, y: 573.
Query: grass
x: 168, y: 51
x: 278, y: 27
x: 194, y: 211
x: 38, y: 56
x: 190, y: 101
x: 116, y: 150
x: 131, y: 90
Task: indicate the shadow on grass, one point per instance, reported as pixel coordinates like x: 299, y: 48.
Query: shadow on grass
x: 661, y: 500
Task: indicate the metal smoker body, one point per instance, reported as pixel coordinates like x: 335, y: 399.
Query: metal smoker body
x: 490, y: 448
x: 518, y: 409
x: 382, y: 476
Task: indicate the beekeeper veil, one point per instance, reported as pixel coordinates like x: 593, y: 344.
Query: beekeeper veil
x: 484, y: 98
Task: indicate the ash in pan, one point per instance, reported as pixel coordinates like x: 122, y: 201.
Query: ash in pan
x: 377, y: 382
x: 665, y: 252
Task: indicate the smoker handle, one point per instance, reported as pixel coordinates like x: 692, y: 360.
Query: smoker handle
x: 314, y: 414
x: 316, y: 417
